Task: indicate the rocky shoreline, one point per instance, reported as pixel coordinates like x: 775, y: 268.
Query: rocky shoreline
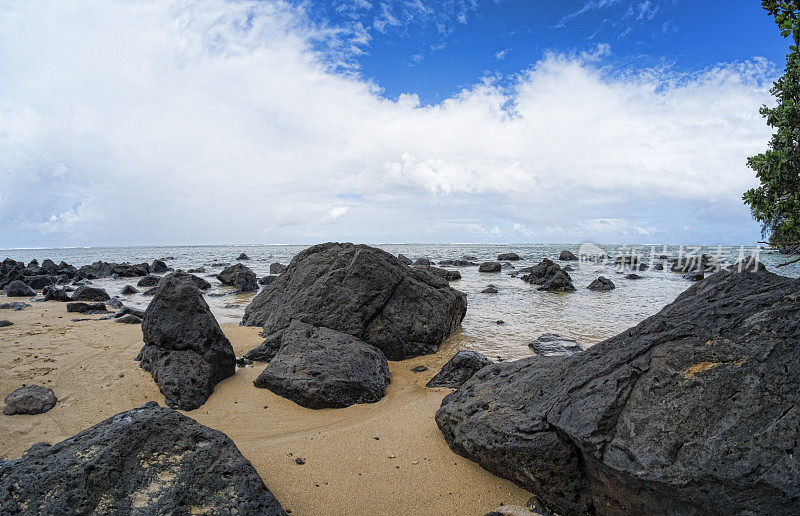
x: 584, y: 431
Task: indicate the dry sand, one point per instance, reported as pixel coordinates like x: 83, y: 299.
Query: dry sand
x: 382, y: 458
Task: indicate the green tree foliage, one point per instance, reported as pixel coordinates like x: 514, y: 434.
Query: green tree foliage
x: 776, y: 203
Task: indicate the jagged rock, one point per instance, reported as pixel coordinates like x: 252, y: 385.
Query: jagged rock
x: 696, y: 410
x: 405, y: 259
x: 459, y: 369
x: 115, y: 302
x: 633, y: 276
x: 508, y: 257
x: 363, y: 291
x: 149, y: 460
x: 549, y: 275
x: 239, y: 276
x: 128, y: 290
x: 185, y: 350
x: 84, y: 293
x: 567, y: 256
x: 197, y: 270
x: 658, y: 266
x: 560, y: 281
x: 56, y: 294
x: 442, y: 273
x: 277, y: 268
x: 552, y: 344
x: 490, y: 289
x: 458, y: 263
x: 87, y: 308
x: 265, y: 351
x: 601, y: 284
x: 18, y: 288
x: 323, y: 368
x: 16, y: 306
x: 149, y: 281
x: 159, y: 267
x: 40, y: 281
x: 489, y: 267
x: 507, y: 266
x: 29, y: 399
x: 424, y: 262
x: 242, y: 257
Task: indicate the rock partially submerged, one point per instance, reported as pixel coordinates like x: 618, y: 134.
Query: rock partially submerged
x: 553, y: 344
x: 698, y: 263
x: 323, y: 368
x: 489, y: 267
x: 29, y: 399
x: 239, y: 276
x: 243, y: 257
x: 149, y: 460
x: 550, y: 276
x: 185, y: 350
x: 602, y: 284
x: 508, y: 257
x: 149, y: 281
x: 459, y: 369
x: 694, y: 410
x: 128, y: 290
x: 567, y: 256
x: 159, y: 267
x: 365, y: 292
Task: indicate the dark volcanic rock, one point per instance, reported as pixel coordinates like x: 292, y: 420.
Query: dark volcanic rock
x: 128, y: 290
x: 423, y: 262
x: 149, y: 281
x: 694, y: 276
x: 4, y: 323
x: 185, y: 350
x: 459, y: 369
x: 567, y: 256
x: 323, y: 368
x: 125, y: 310
x: 550, y: 275
x: 490, y: 267
x: 601, y: 283
x: 442, y: 273
x: 507, y: 257
x: 16, y: 306
x: 490, y: 289
x: 701, y: 263
x: 266, y: 280
x: 405, y: 259
x: 552, y: 344
x: 197, y: 270
x: 56, y: 294
x: 696, y: 410
x: 243, y: 257
x: 87, y: 308
x: 29, y: 399
x: 40, y: 281
x: 277, y: 268
x: 633, y: 276
x: 458, y: 263
x: 159, y: 267
x: 265, y: 351
x: 149, y: 460
x: 128, y: 319
x: 366, y: 292
x: 84, y: 293
x: 18, y: 288
x: 239, y: 276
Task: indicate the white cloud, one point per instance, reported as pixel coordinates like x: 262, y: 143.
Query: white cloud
x: 502, y: 54
x: 215, y: 121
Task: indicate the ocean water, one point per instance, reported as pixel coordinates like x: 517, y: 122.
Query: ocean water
x: 584, y: 315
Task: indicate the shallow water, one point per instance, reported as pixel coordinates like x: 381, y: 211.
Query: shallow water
x: 587, y: 316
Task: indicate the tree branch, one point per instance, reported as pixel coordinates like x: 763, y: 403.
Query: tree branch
x: 789, y: 262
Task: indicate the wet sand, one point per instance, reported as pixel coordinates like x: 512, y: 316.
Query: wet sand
x: 383, y: 458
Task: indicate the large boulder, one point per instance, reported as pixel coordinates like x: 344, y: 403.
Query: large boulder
x: 149, y: 281
x: 40, y: 281
x: 696, y: 263
x: 601, y: 284
x: 239, y: 276
x: 29, y: 399
x: 567, y: 256
x: 149, y: 460
x: 489, y: 267
x: 459, y: 369
x: 277, y: 268
x: 695, y: 410
x: 159, y: 267
x: 508, y: 257
x: 18, y: 288
x: 365, y: 292
x: 86, y: 293
x: 553, y: 344
x: 56, y: 294
x: 185, y: 350
x: 549, y: 275
x: 87, y: 308
x: 323, y: 368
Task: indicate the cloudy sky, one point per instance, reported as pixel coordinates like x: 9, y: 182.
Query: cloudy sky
x: 199, y: 122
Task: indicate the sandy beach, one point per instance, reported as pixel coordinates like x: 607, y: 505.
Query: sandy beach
x: 383, y: 458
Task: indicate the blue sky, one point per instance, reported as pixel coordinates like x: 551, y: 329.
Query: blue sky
x: 437, y: 48
x: 276, y: 121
